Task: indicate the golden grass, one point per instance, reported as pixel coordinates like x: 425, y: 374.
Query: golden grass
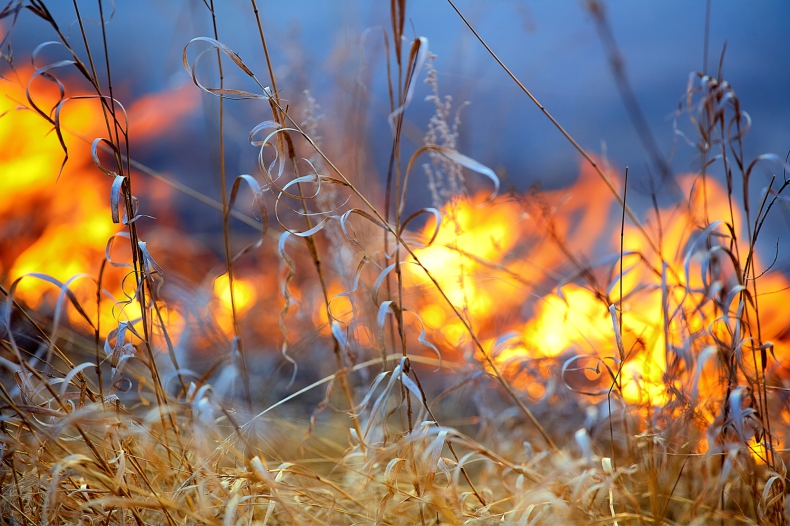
x: 376, y: 414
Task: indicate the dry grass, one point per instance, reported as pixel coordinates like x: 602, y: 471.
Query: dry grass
x: 374, y: 414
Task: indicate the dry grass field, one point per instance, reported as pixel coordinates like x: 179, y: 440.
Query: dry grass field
x: 333, y: 354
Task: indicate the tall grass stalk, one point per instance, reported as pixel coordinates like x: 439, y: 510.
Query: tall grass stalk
x: 489, y: 428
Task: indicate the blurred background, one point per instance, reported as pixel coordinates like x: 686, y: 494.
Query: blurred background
x: 554, y: 48
x: 562, y: 51
x: 534, y: 275
x: 613, y: 74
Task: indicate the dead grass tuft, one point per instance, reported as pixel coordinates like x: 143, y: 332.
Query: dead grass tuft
x: 458, y: 372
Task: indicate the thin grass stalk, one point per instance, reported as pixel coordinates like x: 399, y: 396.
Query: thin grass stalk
x: 627, y: 95
x: 98, y: 458
x: 120, y: 162
x: 621, y: 363
x: 116, y: 127
x: 449, y: 444
x: 279, y: 116
x: 748, y: 272
x: 397, y: 17
x: 93, y: 78
x: 401, y: 181
x: 137, y: 256
x: 489, y: 360
x: 225, y: 216
x: 565, y: 134
x: 97, y: 332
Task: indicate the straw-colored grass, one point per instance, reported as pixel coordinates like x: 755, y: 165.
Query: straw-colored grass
x: 373, y: 415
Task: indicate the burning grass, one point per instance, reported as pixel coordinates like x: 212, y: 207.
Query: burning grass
x: 554, y: 357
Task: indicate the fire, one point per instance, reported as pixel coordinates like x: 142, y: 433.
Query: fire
x: 518, y: 266
x: 244, y: 297
x: 468, y: 237
x: 63, y: 224
x: 484, y: 233
x: 60, y: 226
x: 562, y: 321
x: 505, y: 269
x: 244, y: 294
x: 155, y: 114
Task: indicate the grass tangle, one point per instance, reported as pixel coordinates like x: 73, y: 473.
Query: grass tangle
x: 544, y: 358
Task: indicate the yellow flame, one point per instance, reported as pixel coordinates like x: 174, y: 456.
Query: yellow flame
x: 244, y: 293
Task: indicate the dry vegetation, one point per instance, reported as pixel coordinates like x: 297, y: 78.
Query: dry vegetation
x: 550, y: 358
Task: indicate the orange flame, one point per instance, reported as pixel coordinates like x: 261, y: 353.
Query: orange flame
x: 63, y: 223
x: 498, y: 264
x: 516, y: 267
x: 155, y: 114
x: 60, y: 226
